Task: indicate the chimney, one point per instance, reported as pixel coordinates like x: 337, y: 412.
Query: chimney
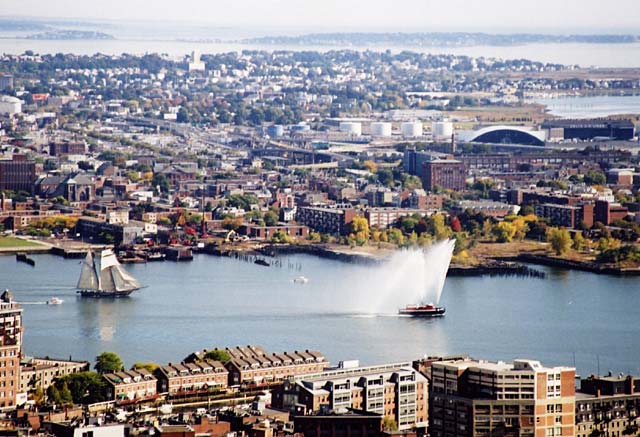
x: 598, y: 393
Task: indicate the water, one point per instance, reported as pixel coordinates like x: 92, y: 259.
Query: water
x: 585, y: 55
x: 225, y: 302
x: 591, y: 107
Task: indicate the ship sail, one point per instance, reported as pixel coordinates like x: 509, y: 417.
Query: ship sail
x: 107, y: 261
x: 88, y: 277
x: 112, y: 279
x: 123, y: 280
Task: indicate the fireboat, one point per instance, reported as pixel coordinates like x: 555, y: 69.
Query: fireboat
x: 428, y: 310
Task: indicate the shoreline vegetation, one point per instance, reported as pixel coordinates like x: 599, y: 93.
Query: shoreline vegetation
x: 486, y: 258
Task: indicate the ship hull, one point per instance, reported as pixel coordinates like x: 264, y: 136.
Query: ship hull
x: 416, y: 312
x: 106, y: 294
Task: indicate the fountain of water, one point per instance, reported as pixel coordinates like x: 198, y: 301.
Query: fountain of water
x: 411, y: 276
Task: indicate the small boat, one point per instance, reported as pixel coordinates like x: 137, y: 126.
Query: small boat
x: 55, y: 301
x: 22, y: 257
x: 262, y: 262
x: 300, y: 280
x: 105, y: 278
x: 428, y: 310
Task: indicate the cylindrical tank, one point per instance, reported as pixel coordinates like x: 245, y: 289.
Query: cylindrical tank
x: 411, y: 129
x: 380, y: 129
x: 275, y: 130
x: 442, y: 130
x: 351, y: 127
x: 300, y: 127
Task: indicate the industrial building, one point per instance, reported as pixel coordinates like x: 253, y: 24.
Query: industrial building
x: 504, y: 135
x: 472, y: 398
x: 589, y: 129
x: 443, y: 173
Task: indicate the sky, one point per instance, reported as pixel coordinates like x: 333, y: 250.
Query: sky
x: 492, y: 16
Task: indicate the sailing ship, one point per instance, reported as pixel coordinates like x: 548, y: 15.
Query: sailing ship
x: 105, y: 278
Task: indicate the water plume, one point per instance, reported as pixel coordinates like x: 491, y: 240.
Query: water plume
x: 410, y: 276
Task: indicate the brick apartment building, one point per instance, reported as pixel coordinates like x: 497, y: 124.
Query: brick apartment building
x: 607, y: 213
x: 352, y: 424
x: 569, y: 216
x: 326, y: 220
x: 191, y: 377
x: 17, y: 174
x: 67, y: 148
x: 443, y: 173
x: 130, y: 385
x: 608, y: 406
x: 395, y: 391
x: 267, y: 232
x: 254, y: 365
x: 10, y: 350
x: 473, y: 398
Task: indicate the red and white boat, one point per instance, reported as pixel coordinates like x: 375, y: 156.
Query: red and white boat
x: 428, y: 310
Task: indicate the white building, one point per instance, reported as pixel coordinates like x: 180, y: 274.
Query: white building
x: 196, y: 64
x: 10, y: 105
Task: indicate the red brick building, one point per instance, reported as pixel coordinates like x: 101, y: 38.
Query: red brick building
x: 444, y: 173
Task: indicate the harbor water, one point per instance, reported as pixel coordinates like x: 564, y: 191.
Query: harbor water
x: 569, y: 317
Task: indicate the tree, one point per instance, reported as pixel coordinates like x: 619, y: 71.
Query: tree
x: 218, y: 355
x: 85, y: 387
x: 65, y: 395
x: 389, y: 424
x: 594, y: 177
x: 108, y: 362
x: 151, y: 367
x: 53, y: 394
x: 578, y: 241
x: 271, y: 218
x: 161, y: 181
x: 560, y: 240
x: 281, y: 237
x: 359, y: 230
x: 504, y: 232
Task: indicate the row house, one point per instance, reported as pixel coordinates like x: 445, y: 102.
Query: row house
x: 254, y: 365
x: 130, y: 385
x: 192, y: 377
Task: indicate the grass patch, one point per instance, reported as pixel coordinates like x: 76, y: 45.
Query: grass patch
x: 6, y: 242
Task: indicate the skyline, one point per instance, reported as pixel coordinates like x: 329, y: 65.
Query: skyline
x: 545, y: 16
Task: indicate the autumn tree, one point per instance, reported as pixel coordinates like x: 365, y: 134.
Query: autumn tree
x: 560, y: 240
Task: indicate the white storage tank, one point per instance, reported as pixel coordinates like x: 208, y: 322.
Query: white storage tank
x: 380, y: 129
x: 351, y: 127
x: 442, y: 130
x: 411, y: 129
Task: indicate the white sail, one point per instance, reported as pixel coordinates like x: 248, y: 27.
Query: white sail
x: 123, y: 280
x: 88, y: 277
x: 107, y: 261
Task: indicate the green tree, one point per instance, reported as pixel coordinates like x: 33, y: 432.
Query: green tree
x: 281, y: 237
x: 161, y: 181
x: 108, y: 362
x: 65, y: 394
x: 560, y: 240
x: 85, y: 387
x: 218, y: 355
x: 594, y: 177
x: 151, y: 367
x: 53, y: 394
x: 271, y: 218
